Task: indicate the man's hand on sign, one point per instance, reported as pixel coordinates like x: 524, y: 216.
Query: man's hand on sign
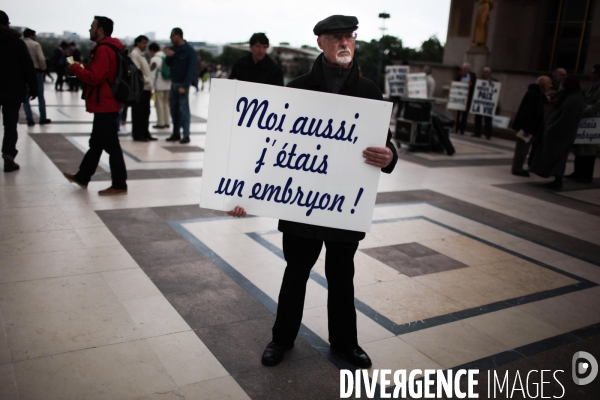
x: 379, y: 157
x: 169, y: 52
x: 181, y: 90
x: 237, y: 212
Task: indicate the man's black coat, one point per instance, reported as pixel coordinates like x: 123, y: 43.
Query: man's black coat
x: 265, y: 71
x: 16, y: 69
x: 530, y: 117
x: 355, y: 86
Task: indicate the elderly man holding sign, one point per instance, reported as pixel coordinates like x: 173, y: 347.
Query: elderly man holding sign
x: 335, y: 71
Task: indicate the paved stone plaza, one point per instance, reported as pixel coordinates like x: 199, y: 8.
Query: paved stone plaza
x: 147, y: 296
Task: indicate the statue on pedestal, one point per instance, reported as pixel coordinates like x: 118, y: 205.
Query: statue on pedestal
x: 482, y: 21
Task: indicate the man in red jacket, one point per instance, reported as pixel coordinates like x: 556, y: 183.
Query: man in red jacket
x: 100, y: 101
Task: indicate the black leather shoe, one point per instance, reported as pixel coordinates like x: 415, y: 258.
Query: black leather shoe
x: 140, y: 139
x: 151, y: 138
x: 30, y: 123
x: 273, y: 354
x: 185, y: 140
x: 356, y: 356
x: 173, y: 138
x: 45, y: 121
x: 72, y: 178
x: 571, y: 176
x: 9, y: 163
x: 554, y: 185
x: 521, y: 173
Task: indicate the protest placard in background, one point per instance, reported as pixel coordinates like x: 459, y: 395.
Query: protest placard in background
x: 589, y: 131
x: 500, y: 121
x: 417, y: 85
x: 396, y: 77
x: 459, y: 95
x: 292, y: 154
x: 485, y: 98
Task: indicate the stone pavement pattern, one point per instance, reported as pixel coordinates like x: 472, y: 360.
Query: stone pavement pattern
x: 147, y: 296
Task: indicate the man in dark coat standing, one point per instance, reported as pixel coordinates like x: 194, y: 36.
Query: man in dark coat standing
x: 529, y: 122
x: 335, y: 71
x: 18, y: 77
x: 560, y: 131
x: 257, y: 66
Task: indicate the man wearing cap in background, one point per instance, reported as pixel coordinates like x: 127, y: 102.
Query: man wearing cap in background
x: 334, y: 71
x: 18, y: 77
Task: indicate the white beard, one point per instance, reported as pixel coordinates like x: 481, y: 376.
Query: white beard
x: 343, y: 60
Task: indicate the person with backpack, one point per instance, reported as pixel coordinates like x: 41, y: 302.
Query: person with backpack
x: 161, y: 83
x: 100, y: 76
x: 140, y: 112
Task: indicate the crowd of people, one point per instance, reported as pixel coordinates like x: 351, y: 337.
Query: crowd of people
x: 546, y: 124
x: 549, y: 137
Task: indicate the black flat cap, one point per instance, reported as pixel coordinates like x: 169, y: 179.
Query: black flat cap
x: 4, y: 18
x: 336, y: 23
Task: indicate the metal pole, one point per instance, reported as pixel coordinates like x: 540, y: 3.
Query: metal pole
x: 383, y: 17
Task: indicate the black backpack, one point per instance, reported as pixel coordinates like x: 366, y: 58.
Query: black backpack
x: 129, y: 81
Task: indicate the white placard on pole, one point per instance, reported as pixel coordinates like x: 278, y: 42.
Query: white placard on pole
x: 459, y: 95
x: 500, y: 121
x: 417, y: 85
x: 485, y: 98
x: 292, y: 154
x: 396, y: 77
x: 589, y: 131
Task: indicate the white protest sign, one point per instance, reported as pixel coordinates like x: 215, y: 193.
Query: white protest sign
x: 485, y: 98
x: 292, y: 154
x: 589, y: 131
x: 417, y: 85
x: 396, y: 77
x: 500, y: 121
x: 459, y: 94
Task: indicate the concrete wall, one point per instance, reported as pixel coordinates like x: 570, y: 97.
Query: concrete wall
x: 517, y: 34
x: 593, y: 54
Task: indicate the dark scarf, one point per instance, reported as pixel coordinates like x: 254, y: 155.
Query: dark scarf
x: 334, y: 77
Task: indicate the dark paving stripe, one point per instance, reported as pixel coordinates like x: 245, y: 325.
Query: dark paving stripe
x: 479, y: 162
x: 237, y: 337
x: 563, y: 243
x: 307, y: 378
x: 536, y: 190
x: 413, y: 259
x: 184, y: 149
x: 67, y: 158
x: 231, y: 316
x: 413, y: 266
x: 552, y: 354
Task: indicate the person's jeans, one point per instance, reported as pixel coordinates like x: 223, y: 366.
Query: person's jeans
x: 180, y: 109
x: 104, y: 138
x: 301, y: 254
x: 40, y: 97
x: 10, y: 119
